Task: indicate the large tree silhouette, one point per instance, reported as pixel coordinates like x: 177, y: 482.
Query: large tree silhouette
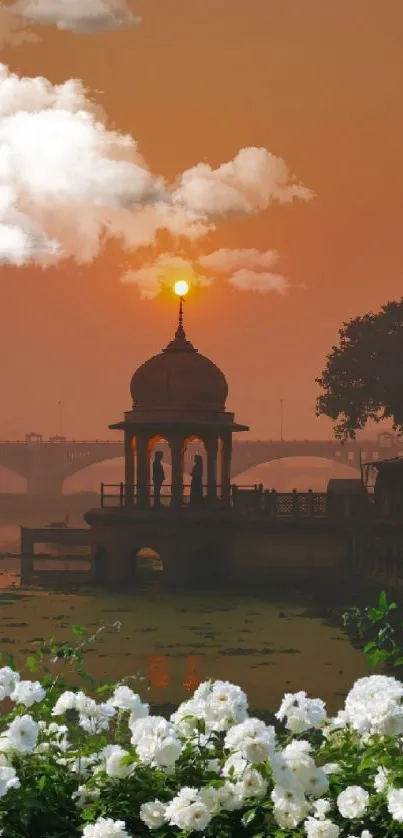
x: 363, y: 377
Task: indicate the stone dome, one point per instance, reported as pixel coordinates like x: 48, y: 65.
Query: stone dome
x: 179, y: 377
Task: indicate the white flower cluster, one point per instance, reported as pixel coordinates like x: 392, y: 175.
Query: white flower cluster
x: 246, y: 770
x: 373, y: 707
x: 217, y: 704
x: 300, y: 713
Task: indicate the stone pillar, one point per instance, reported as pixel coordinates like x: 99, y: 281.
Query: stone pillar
x: 176, y: 446
x: 226, y: 453
x: 212, y: 450
x: 129, y: 468
x: 143, y: 472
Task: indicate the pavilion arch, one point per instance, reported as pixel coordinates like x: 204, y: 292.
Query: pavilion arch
x: 96, y: 473
x: 337, y: 468
x: 155, y: 444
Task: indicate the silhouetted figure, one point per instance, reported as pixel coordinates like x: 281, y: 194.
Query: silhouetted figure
x: 196, y: 484
x: 158, y: 477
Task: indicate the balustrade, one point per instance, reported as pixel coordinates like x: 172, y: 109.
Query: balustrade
x: 246, y: 501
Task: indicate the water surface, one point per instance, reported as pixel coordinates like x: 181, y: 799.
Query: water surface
x: 268, y: 644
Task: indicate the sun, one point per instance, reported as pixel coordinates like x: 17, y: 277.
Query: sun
x: 181, y: 288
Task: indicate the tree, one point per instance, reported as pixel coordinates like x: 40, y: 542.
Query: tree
x: 362, y: 379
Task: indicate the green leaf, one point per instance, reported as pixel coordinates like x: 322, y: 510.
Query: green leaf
x: 383, y: 602
x: 31, y: 663
x: 78, y: 630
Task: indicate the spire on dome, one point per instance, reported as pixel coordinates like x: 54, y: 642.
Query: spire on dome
x: 180, y: 333
x: 180, y: 343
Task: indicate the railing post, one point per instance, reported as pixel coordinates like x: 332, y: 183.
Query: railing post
x: 121, y: 494
x: 102, y: 494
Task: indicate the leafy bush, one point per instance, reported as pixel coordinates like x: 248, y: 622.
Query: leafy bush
x: 378, y: 629
x: 98, y: 765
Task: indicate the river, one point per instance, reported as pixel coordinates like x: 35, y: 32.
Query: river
x: 269, y: 644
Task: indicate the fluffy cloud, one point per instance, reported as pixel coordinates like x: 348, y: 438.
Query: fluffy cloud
x: 67, y: 181
x: 248, y: 280
x: 247, y: 184
x: 227, y: 261
x: 247, y: 269
x: 81, y: 16
x: 242, y: 268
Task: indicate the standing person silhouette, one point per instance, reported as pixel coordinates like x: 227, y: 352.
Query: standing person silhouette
x: 158, y: 477
x: 196, y: 483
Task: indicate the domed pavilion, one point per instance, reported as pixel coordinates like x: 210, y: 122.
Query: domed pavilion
x: 177, y: 396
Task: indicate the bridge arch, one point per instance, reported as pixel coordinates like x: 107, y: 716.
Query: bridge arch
x: 297, y: 472
x: 12, y: 481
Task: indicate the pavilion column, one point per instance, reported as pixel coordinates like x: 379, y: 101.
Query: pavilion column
x: 226, y: 454
x: 143, y: 471
x: 212, y: 451
x: 129, y: 468
x: 176, y: 446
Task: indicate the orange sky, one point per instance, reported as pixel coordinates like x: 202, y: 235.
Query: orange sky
x: 317, y: 82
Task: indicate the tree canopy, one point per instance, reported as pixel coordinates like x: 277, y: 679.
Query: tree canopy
x: 363, y: 377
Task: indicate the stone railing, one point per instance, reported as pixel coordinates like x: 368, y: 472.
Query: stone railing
x: 246, y: 501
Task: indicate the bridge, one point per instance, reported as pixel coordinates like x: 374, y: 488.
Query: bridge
x: 45, y: 464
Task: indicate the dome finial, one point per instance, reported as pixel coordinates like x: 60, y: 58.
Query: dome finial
x: 181, y: 288
x: 180, y: 332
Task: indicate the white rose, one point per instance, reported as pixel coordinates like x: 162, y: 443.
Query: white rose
x: 253, y: 784
x: 22, y: 733
x: 8, y: 681
x: 8, y: 779
x: 105, y: 828
x: 28, y: 693
x: 395, y: 804
x: 321, y: 828
x: 153, y: 814
x: 352, y: 802
x: 321, y: 807
x: 115, y: 767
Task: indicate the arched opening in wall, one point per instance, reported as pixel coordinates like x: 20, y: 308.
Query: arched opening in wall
x: 300, y: 473
x: 148, y: 564
x: 195, y: 471
x: 160, y: 471
x: 89, y: 479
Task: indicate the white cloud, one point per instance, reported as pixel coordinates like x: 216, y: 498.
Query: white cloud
x: 80, y: 16
x: 249, y: 183
x: 226, y: 261
x: 248, y: 280
x: 67, y: 182
x: 242, y: 269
